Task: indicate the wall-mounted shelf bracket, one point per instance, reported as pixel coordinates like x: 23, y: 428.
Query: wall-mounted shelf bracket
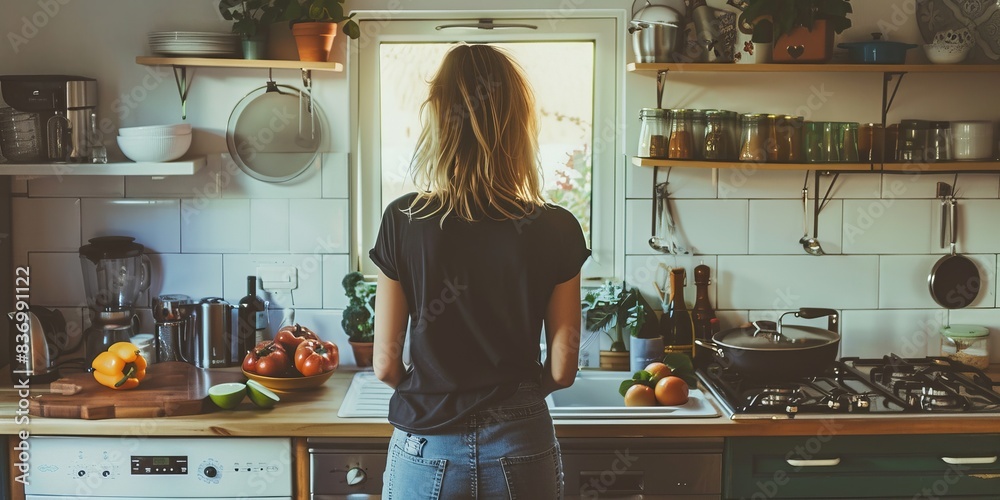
x: 886, y: 98
x: 183, y: 86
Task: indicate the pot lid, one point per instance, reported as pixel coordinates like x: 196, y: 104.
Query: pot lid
x: 965, y: 331
x: 657, y: 14
x: 764, y: 337
x: 876, y: 41
x: 111, y: 247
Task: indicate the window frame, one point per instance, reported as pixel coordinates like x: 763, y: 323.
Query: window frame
x: 604, y: 27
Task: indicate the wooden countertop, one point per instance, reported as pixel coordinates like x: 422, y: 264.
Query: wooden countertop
x: 314, y: 414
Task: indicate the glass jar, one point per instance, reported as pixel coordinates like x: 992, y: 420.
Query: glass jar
x: 812, y: 142
x: 732, y: 121
x: 969, y: 344
x: 699, y: 122
x: 680, y: 145
x: 849, y: 142
x: 939, y: 141
x: 912, y: 141
x: 653, y: 133
x: 793, y: 136
x: 777, y: 139
x: 717, y: 136
x: 753, y: 146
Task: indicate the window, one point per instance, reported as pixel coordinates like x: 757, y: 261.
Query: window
x: 561, y: 59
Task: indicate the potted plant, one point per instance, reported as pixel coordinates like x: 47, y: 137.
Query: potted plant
x: 359, y: 317
x: 314, y: 25
x: 251, y: 19
x: 801, y: 30
x: 613, y: 309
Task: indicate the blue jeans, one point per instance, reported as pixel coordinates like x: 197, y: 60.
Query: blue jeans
x: 508, y: 450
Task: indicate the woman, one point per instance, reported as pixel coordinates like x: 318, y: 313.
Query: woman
x: 477, y: 262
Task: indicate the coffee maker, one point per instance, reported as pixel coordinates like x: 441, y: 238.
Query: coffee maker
x: 115, y: 273
x: 47, y: 118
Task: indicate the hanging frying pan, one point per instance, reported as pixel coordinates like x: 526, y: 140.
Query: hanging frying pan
x: 954, y: 281
x: 275, y: 132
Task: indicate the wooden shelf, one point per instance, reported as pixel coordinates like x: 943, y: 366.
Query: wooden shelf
x: 145, y: 169
x: 815, y: 68
x: 207, y: 62
x: 951, y: 166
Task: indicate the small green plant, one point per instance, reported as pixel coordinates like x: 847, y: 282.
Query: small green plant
x: 323, y: 11
x: 766, y: 20
x: 611, y: 307
x: 250, y: 17
x: 359, y: 315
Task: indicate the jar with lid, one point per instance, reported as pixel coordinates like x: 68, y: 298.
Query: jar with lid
x: 717, y: 142
x: 680, y: 146
x: 753, y: 145
x: 969, y: 344
x: 653, y: 133
x: 939, y: 141
x: 912, y: 140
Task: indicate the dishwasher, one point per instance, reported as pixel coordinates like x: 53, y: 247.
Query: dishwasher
x: 158, y: 468
x: 621, y: 468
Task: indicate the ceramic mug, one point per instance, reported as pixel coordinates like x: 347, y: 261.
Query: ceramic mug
x: 972, y: 140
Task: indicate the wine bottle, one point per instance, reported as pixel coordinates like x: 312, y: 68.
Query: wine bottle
x: 676, y: 324
x: 251, y: 319
x: 703, y: 315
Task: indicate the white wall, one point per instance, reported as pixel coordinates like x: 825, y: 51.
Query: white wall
x: 746, y: 228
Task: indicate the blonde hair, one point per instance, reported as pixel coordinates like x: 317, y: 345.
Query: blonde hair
x: 477, y: 152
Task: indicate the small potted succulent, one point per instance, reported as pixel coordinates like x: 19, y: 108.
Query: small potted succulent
x: 251, y: 19
x: 314, y: 25
x: 359, y: 317
x: 801, y: 30
x: 613, y: 309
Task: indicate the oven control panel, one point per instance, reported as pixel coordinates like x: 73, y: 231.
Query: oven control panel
x: 83, y: 467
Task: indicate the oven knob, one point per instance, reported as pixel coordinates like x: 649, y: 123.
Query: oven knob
x: 81, y: 473
x: 356, y: 476
x: 210, y: 471
x: 106, y: 473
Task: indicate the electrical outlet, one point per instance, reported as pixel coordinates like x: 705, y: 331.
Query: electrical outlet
x: 275, y: 278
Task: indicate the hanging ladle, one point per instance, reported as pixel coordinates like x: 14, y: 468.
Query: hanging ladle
x: 810, y: 245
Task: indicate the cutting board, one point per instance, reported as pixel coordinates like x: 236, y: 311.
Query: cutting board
x: 169, y: 389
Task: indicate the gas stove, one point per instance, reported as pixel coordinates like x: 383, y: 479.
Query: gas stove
x: 860, y: 388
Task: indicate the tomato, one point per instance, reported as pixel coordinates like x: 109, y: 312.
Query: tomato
x: 658, y: 371
x: 314, y: 357
x: 671, y: 391
x: 291, y: 336
x: 268, y: 358
x: 640, y: 395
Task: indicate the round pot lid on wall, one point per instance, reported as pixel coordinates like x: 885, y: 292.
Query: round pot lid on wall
x: 275, y: 132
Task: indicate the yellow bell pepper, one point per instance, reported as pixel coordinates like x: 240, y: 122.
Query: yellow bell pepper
x: 120, y: 367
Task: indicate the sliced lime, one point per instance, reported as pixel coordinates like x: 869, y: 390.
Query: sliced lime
x: 227, y: 396
x: 260, y: 395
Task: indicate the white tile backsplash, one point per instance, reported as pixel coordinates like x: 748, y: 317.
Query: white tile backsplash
x: 908, y: 333
x: 195, y: 275
x: 269, y: 226
x: 978, y: 226
x: 790, y: 282
x: 215, y: 226
x: 336, y: 175
x: 335, y: 267
x: 891, y: 226
x: 750, y: 182
x: 77, y: 186
x: 206, y: 183
x: 684, y: 182
x: 776, y: 227
x: 709, y: 227
x: 309, y: 294
x: 903, y: 281
x: 153, y: 223
x: 318, y: 226
x: 60, y: 231
x: 56, y: 279
x: 237, y: 184
x: 925, y: 185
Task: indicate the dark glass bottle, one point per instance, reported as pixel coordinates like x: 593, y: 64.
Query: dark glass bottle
x: 251, y: 320
x: 703, y: 315
x: 676, y: 325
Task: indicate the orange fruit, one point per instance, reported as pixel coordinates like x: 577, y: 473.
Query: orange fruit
x: 671, y: 391
x: 640, y: 395
x: 658, y: 371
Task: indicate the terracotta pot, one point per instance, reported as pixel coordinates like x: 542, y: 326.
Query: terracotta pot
x: 803, y: 45
x: 615, y: 360
x: 314, y: 40
x: 363, y: 352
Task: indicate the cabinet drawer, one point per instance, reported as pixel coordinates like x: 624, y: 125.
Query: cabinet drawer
x: 830, y: 466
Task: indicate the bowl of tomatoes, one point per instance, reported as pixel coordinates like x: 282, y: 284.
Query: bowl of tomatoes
x: 295, y: 360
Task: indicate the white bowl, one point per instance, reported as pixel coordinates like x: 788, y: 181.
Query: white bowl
x: 946, y: 53
x: 154, y: 149
x: 972, y: 140
x: 156, y: 130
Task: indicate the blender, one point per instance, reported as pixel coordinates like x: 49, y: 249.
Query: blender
x: 115, y: 273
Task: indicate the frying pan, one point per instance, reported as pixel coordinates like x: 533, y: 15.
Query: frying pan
x: 954, y: 280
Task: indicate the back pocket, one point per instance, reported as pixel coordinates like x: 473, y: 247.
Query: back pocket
x: 413, y: 477
x: 534, y: 476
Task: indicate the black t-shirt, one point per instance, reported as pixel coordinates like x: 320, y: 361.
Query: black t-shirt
x: 477, y: 295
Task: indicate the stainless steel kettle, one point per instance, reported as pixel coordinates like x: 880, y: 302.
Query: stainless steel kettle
x: 29, y: 348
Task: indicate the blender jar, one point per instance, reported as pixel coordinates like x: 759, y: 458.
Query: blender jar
x: 969, y: 344
x: 115, y: 272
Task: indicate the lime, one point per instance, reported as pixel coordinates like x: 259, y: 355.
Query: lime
x: 227, y: 396
x: 260, y: 395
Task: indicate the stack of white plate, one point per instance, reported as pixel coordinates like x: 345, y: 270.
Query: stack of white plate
x: 194, y: 44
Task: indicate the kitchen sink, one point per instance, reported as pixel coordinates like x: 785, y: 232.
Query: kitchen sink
x: 594, y: 395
